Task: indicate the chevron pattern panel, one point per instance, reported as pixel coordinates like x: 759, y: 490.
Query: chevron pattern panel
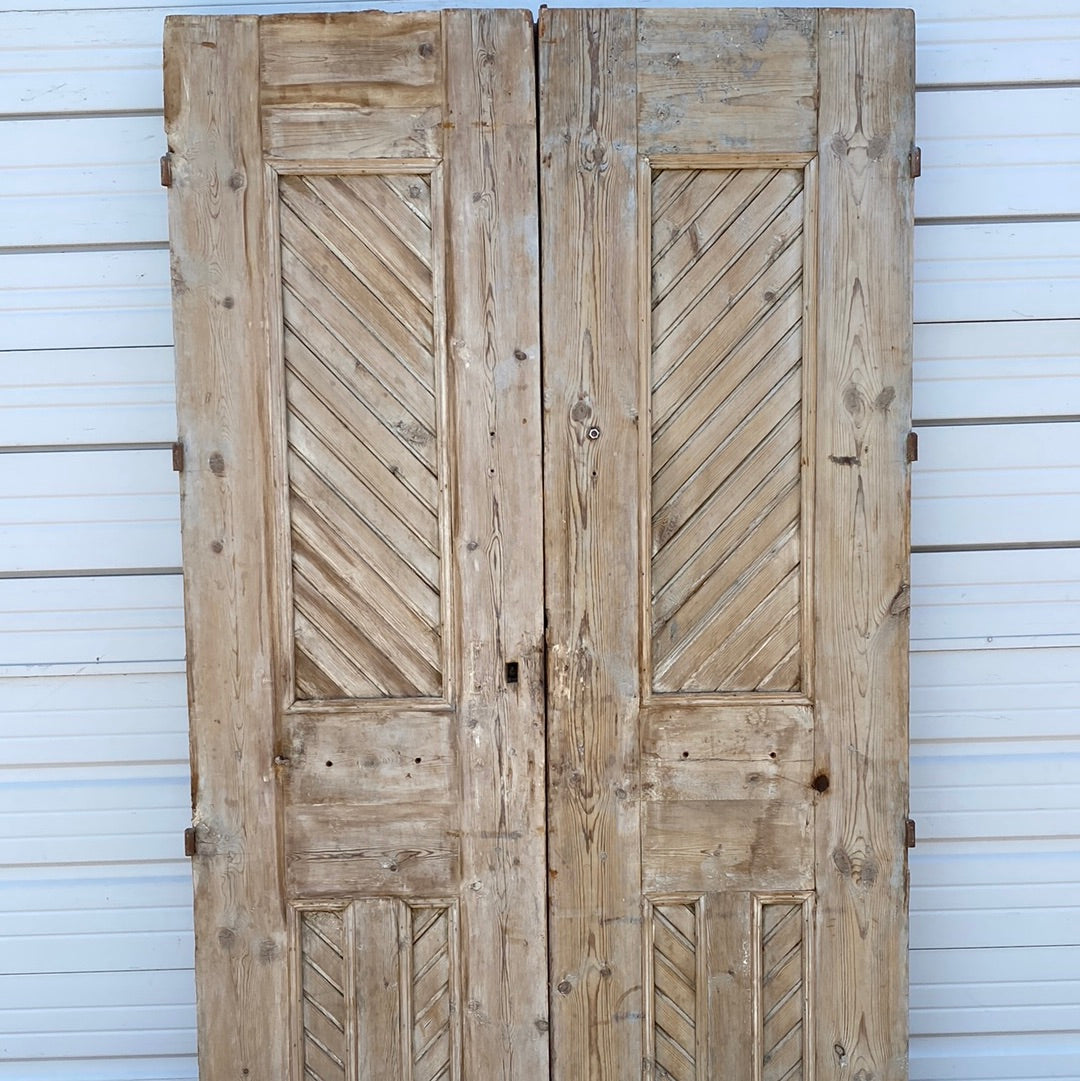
x: 363, y: 458
x: 433, y: 1008
x: 674, y: 991
x: 323, y: 979
x: 781, y: 992
x: 726, y: 398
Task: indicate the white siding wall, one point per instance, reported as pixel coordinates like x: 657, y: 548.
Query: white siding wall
x: 95, y: 925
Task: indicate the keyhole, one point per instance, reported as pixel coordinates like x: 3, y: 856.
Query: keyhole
x: 511, y: 671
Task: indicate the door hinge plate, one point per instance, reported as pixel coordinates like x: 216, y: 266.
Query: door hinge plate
x: 909, y: 833
x: 911, y: 447
x: 189, y: 842
x: 166, y: 170
x: 178, y: 457
x: 915, y: 162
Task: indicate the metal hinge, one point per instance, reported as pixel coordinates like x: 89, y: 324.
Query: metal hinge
x: 911, y: 447
x: 909, y: 833
x: 178, y: 457
x: 915, y: 162
x: 166, y: 170
x: 189, y: 842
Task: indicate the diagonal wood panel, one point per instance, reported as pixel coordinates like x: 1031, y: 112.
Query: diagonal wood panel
x: 674, y: 991
x: 781, y: 992
x: 361, y: 390
x: 323, y: 978
x: 726, y: 390
x: 433, y: 1005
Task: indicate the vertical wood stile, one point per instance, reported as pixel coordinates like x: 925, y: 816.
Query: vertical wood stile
x: 592, y: 489
x: 492, y: 295
x: 865, y: 134
x: 220, y: 298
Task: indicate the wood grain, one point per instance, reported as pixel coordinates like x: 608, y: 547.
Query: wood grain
x: 727, y: 81
x: 592, y: 488
x: 218, y: 197
x: 861, y: 526
x: 492, y: 326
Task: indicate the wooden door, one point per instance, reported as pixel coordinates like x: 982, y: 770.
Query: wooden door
x: 675, y: 848
x: 726, y: 241
x: 353, y: 217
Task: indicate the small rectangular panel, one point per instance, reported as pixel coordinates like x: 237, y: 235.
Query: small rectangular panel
x: 709, y: 845
x: 370, y: 59
x: 325, y: 985
x: 781, y: 988
x: 376, y: 985
x: 434, y: 1013
x: 362, y: 389
x: 675, y: 987
x: 726, y: 753
x: 726, y: 400
x: 713, y: 81
x: 349, y: 133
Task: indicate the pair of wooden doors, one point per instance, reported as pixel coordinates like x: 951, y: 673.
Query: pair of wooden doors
x: 545, y: 540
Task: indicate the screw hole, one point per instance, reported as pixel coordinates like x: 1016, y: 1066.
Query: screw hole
x: 418, y: 760
x: 772, y: 754
x: 686, y: 754
x: 328, y: 762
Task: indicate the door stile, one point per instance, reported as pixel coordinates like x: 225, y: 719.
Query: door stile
x: 866, y: 128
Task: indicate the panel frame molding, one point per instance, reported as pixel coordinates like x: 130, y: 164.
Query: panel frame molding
x: 289, y: 702
x: 761, y: 901
x: 648, y: 166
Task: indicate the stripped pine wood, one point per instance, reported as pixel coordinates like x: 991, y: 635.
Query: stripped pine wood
x: 862, y: 525
x: 217, y: 197
x: 717, y: 359
x: 365, y: 625
x: 391, y: 400
x: 589, y: 186
x: 702, y: 847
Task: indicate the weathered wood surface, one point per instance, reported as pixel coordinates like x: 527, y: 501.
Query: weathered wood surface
x: 592, y: 491
x: 493, y: 331
x: 861, y: 525
x: 217, y: 201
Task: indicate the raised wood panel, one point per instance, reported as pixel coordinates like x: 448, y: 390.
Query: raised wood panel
x: 362, y: 396
x: 726, y: 412
x: 675, y: 995
x: 749, y: 86
x: 782, y: 950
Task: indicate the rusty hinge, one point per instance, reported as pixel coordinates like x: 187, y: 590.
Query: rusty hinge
x: 909, y: 833
x: 166, y: 170
x: 911, y: 447
x: 189, y: 842
x: 915, y: 162
x: 178, y: 457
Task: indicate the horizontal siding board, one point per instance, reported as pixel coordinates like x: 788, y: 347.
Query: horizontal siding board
x: 1008, y: 697
x: 67, y: 397
x: 997, y: 483
x: 998, y: 153
x: 979, y: 272
x: 73, y: 300
x: 61, y: 720
x: 1000, y: 369
x: 98, y: 510
x: 103, y: 1068
x: 1008, y: 1056
x: 86, y: 622
x: 995, y: 600
x: 92, y: 180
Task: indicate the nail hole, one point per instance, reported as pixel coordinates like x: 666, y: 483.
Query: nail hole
x: 328, y: 762
x: 772, y: 754
x: 418, y: 760
x: 686, y: 754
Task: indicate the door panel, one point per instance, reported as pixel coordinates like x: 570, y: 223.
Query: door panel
x: 361, y: 422
x: 693, y: 866
x: 726, y: 391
